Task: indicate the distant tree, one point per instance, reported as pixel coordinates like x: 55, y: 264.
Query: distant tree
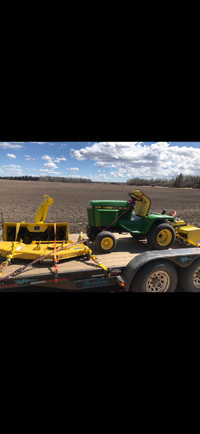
x: 179, y: 181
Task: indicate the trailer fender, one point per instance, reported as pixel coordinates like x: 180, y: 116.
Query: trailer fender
x: 180, y: 257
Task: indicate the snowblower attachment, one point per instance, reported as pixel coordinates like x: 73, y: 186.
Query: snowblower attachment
x: 41, y: 241
x: 37, y: 231
x: 36, y: 240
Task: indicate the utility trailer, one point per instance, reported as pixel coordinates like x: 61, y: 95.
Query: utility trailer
x: 132, y: 266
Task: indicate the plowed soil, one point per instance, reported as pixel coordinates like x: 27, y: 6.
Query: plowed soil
x: 19, y: 201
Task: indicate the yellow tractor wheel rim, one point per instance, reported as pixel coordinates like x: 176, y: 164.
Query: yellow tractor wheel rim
x: 164, y: 237
x: 107, y: 243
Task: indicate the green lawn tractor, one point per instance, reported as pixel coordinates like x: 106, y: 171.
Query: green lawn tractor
x: 108, y: 216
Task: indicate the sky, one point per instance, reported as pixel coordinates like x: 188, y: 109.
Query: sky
x: 100, y: 161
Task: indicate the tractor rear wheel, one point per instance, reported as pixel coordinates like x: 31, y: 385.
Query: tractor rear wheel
x: 161, y: 236
x: 105, y: 242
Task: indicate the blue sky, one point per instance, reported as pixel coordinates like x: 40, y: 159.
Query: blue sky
x: 100, y: 161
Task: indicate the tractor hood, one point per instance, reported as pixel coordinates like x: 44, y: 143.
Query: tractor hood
x: 109, y: 203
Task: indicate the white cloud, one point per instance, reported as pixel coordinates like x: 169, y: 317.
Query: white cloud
x: 73, y: 168
x: 52, y: 160
x: 11, y: 170
x: 50, y: 172
x: 8, y: 166
x: 29, y: 158
x: 51, y: 164
x: 6, y: 145
x: 78, y: 176
x: 136, y: 159
x: 99, y: 177
x: 104, y: 151
x: 11, y: 155
x: 46, y: 157
x: 58, y: 160
x: 117, y: 174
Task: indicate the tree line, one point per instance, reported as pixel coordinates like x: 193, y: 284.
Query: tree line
x: 45, y: 178
x: 181, y: 180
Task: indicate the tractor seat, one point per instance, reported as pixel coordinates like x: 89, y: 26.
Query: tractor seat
x: 142, y: 206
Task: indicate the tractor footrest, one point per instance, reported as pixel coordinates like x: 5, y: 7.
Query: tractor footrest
x: 128, y: 229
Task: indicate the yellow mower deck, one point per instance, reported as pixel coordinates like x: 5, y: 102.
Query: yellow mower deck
x: 38, y: 249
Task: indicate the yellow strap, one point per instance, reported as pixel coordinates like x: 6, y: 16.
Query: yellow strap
x: 98, y: 262
x: 55, y: 258
x: 3, y: 266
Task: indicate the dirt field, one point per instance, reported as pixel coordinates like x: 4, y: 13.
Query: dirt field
x: 19, y: 201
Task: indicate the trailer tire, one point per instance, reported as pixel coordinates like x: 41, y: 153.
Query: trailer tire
x: 189, y: 278
x: 157, y: 276
x: 161, y: 236
x: 105, y: 242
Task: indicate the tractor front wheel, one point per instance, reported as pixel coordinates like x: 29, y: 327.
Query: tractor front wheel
x: 92, y: 232
x: 105, y: 242
x: 161, y: 236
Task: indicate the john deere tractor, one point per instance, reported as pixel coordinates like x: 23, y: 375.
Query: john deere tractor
x: 108, y: 216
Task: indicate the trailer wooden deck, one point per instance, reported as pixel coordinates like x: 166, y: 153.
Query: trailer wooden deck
x: 127, y: 248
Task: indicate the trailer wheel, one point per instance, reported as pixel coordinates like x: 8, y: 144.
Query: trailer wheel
x: 189, y: 278
x: 105, y: 242
x: 161, y: 236
x: 157, y: 276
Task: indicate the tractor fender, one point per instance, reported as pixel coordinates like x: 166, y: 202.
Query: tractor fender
x: 179, y: 257
x: 156, y: 221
